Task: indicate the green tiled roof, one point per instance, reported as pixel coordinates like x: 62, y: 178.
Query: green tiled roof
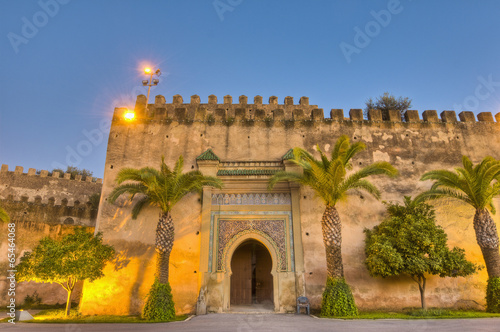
x: 208, y: 155
x: 288, y: 155
x: 246, y: 171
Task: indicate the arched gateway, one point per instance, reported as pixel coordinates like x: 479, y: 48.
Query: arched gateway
x: 251, y: 245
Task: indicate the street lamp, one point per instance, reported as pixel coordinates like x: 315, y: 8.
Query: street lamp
x: 151, y: 82
x: 129, y: 115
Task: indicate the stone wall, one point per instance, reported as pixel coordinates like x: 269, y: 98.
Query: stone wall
x: 42, y: 205
x: 257, y: 132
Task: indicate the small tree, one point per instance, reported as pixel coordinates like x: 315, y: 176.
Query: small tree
x: 409, y: 242
x: 77, y: 256
x: 74, y: 171
x: 388, y: 102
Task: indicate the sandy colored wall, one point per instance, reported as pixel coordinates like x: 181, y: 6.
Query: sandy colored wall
x: 242, y: 132
x: 40, y: 206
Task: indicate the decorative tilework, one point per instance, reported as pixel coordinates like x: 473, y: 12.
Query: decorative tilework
x: 251, y: 199
x: 273, y: 229
x: 288, y: 155
x: 212, y: 264
x: 223, y: 172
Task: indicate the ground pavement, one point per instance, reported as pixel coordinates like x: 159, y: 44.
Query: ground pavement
x: 273, y: 322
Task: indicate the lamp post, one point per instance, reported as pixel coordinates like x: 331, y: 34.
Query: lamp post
x: 151, y: 82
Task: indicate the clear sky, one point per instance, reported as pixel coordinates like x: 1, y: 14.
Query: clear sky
x: 65, y: 64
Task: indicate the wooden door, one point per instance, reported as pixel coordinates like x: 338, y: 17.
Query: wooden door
x: 263, y: 276
x: 241, y: 279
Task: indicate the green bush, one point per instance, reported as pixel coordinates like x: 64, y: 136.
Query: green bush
x: 493, y: 295
x: 32, y: 300
x: 338, y: 299
x: 159, y: 305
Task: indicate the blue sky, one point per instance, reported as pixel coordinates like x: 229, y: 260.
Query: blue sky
x: 62, y: 78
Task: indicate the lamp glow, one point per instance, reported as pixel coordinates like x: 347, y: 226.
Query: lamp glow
x: 129, y: 115
x: 147, y: 70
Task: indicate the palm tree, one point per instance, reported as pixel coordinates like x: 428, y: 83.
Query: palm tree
x: 4, y: 216
x: 329, y: 179
x: 476, y: 186
x: 163, y: 188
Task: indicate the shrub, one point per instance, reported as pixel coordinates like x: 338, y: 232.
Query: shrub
x: 493, y: 295
x: 159, y: 305
x: 338, y: 299
x: 32, y: 300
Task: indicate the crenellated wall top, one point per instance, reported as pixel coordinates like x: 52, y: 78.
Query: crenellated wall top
x: 19, y: 170
x: 228, y: 111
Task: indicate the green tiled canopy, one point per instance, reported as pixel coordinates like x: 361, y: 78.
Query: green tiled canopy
x: 288, y: 155
x: 208, y: 155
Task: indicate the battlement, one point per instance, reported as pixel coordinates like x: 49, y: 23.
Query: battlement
x: 44, y: 189
x: 44, y: 173
x: 228, y: 112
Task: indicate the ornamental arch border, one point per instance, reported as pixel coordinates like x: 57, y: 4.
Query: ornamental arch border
x: 243, y: 236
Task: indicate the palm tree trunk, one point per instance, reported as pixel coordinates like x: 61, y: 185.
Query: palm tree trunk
x: 487, y: 238
x: 164, y: 244
x: 332, y: 238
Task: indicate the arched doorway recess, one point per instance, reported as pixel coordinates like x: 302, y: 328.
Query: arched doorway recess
x: 251, y: 279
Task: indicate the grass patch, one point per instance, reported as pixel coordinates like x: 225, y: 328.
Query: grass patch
x: 433, y: 313
x: 56, y: 316
x: 41, y: 306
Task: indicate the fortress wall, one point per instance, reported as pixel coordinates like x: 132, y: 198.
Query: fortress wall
x: 413, y: 147
x: 56, y: 188
x: 42, y: 205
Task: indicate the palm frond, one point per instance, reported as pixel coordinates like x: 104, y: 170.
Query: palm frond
x: 492, y: 208
x: 324, y: 159
x: 179, y: 165
x: 163, y: 188
x: 468, y: 166
x: 340, y: 147
x: 336, y: 172
x: 284, y: 176
x: 128, y: 174
x: 351, y: 151
x: 440, y: 175
x: 367, y: 186
x: 304, y: 159
x: 442, y: 193
x: 328, y: 177
x: 472, y: 184
x: 143, y: 201
x: 212, y: 181
x: 377, y: 168
x: 127, y: 188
